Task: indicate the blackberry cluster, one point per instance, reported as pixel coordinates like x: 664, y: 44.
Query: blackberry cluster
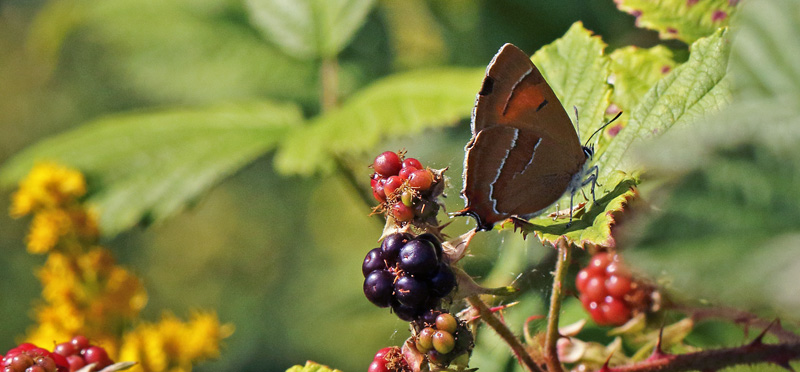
x: 405, y: 188
x: 407, y: 273
x: 78, y: 353
x: 31, y: 358
x: 441, y: 337
x: 609, y: 292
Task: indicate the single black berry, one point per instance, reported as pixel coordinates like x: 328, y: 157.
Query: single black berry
x: 373, y: 261
x: 410, y: 291
x: 378, y: 287
x: 418, y: 257
x: 391, y: 246
x: 436, y: 244
x: 444, y: 281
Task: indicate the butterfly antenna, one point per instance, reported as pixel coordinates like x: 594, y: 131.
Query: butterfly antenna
x: 601, y: 128
x: 577, y: 122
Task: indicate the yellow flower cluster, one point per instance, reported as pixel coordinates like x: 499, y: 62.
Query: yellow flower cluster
x: 51, y: 193
x: 172, y: 345
x: 85, y: 292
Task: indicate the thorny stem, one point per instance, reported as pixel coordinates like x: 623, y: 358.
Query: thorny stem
x: 713, y: 360
x: 504, y: 333
x: 741, y: 317
x: 552, y: 335
x: 329, y: 75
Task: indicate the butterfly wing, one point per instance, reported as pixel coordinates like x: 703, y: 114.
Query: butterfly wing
x: 524, y: 150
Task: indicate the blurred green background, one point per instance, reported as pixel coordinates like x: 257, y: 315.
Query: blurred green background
x: 277, y: 256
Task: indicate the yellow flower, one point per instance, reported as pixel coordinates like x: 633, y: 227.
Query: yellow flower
x: 47, y: 228
x: 48, y: 185
x: 174, y: 345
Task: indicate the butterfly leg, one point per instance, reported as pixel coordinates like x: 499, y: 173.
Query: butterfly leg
x: 592, y: 179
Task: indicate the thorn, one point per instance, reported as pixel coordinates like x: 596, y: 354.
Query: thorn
x: 759, y: 340
x: 658, y: 352
x: 784, y: 363
x: 605, y: 367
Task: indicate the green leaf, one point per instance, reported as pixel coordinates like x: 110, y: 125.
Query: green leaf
x: 398, y: 105
x: 685, y: 20
x: 635, y: 70
x: 692, y: 90
x: 735, y: 175
x: 309, y: 29
x: 147, y: 166
x: 166, y: 51
x: 311, y: 367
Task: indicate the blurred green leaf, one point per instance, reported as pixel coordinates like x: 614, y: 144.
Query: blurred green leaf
x: 685, y: 20
x: 399, y: 105
x: 736, y: 176
x: 167, y: 51
x: 693, y: 89
x: 311, y: 367
x: 309, y: 29
x: 147, y: 166
x: 634, y: 70
x: 416, y: 37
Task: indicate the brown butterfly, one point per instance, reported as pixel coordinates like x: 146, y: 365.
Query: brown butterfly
x: 524, y: 153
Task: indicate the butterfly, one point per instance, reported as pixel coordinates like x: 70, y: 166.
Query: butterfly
x: 524, y: 153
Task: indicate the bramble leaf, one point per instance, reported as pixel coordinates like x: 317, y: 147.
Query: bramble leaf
x: 309, y: 29
x: 147, y: 166
x: 634, y: 70
x: 398, y: 105
x: 685, y: 20
x: 167, y: 52
x: 736, y: 176
x: 695, y: 88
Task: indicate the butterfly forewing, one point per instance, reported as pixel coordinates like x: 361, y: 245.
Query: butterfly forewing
x: 524, y: 151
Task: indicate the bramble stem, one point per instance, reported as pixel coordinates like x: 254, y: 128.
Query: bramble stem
x: 714, y: 360
x: 552, y: 335
x: 329, y: 74
x: 502, y: 330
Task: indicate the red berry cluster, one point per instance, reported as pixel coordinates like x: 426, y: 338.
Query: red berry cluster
x: 78, y: 353
x: 404, y: 187
x: 388, y: 359
x: 31, y: 358
x: 609, y: 292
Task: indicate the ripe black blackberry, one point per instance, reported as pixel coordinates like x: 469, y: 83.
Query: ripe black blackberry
x: 408, y: 273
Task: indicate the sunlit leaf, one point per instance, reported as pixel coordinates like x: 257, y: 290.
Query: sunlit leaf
x: 634, y: 70
x: 147, y: 166
x: 685, y: 20
x: 398, y: 105
x: 309, y: 29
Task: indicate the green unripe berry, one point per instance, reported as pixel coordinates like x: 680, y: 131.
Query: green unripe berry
x: 407, y: 198
x: 443, y: 342
x: 425, y: 340
x: 446, y: 322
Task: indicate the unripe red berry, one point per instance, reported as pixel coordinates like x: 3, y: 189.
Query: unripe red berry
x: 421, y: 179
x: 411, y: 162
x: 401, y: 212
x: 387, y: 164
x: 405, y: 173
x: 391, y: 185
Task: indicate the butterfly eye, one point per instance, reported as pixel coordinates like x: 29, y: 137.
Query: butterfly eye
x: 588, y: 151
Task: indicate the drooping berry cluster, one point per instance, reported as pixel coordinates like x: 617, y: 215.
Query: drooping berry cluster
x: 78, y: 352
x: 388, y: 359
x: 609, y: 292
x: 405, y: 188
x: 441, y: 337
x: 31, y: 358
x: 410, y: 274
